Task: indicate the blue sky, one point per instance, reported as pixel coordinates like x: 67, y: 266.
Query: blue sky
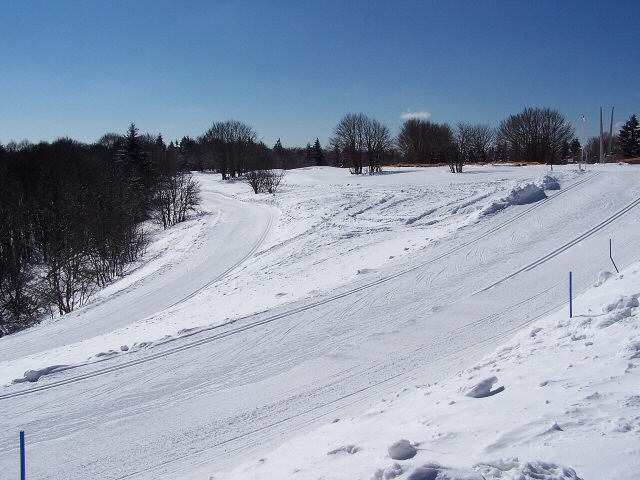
x: 291, y: 70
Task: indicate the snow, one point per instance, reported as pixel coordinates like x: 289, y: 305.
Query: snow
x: 302, y: 335
x: 402, y: 450
x: 518, y: 195
x: 571, y: 398
x: 483, y: 389
x: 548, y: 182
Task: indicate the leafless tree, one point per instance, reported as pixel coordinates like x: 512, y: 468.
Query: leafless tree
x: 348, y: 137
x: 265, y: 181
x: 177, y: 196
x: 177, y: 193
x: 357, y: 136
x: 377, y: 141
x: 592, y: 148
x: 231, y: 145
x: 425, y: 142
x: 535, y: 135
x: 482, y: 142
x: 463, y: 137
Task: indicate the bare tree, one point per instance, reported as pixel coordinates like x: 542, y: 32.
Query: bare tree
x: 463, y: 137
x: 177, y: 194
x: 535, y: 135
x: 348, y: 137
x: 231, y: 146
x: 482, y: 142
x: 265, y: 181
x: 592, y: 148
x: 425, y: 142
x: 377, y: 141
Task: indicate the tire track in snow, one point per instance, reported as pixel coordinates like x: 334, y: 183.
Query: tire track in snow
x: 287, y: 313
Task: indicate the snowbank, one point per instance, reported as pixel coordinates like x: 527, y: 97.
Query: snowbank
x: 519, y: 195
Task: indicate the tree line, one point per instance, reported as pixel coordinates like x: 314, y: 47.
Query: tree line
x: 539, y: 135
x: 361, y: 143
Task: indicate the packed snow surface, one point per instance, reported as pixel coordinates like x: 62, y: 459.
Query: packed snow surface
x: 572, y: 398
x: 323, y: 331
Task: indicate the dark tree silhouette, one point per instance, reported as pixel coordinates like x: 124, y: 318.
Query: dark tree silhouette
x: 535, y: 135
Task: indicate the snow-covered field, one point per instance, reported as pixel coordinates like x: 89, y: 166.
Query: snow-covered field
x: 254, y: 326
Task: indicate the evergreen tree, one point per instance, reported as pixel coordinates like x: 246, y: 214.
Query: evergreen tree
x: 629, y: 138
x: 278, y: 148
x: 160, y: 142
x: 308, y: 155
x: 576, y: 150
x: 318, y: 154
x: 566, y: 150
x: 132, y: 147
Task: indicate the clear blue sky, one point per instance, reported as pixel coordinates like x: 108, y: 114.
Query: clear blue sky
x: 291, y: 70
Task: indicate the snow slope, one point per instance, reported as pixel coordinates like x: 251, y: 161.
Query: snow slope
x: 361, y: 287
x: 570, y: 395
x: 180, y: 264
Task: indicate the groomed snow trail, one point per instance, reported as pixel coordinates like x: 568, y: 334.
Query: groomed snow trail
x: 202, y: 404
x: 225, y: 236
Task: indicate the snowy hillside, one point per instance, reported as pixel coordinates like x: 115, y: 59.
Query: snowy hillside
x: 571, y: 398
x: 256, y: 324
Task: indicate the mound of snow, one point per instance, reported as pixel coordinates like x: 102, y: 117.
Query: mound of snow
x: 622, y: 303
x: 528, y: 471
x: 433, y: 471
x: 388, y: 473
x: 617, y: 311
x: 547, y: 182
x: 34, y: 375
x: 518, y: 195
x: 525, y: 194
x: 482, y: 389
x: 350, y: 449
x: 402, y: 450
x: 603, y: 277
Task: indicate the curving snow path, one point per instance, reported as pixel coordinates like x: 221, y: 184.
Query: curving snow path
x: 193, y: 257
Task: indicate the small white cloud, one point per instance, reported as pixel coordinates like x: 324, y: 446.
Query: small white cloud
x: 411, y: 115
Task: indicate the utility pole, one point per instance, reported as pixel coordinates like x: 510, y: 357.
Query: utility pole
x: 601, y: 152
x: 611, y: 134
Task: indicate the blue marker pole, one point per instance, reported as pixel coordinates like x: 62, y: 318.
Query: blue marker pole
x: 23, y: 463
x: 570, y: 295
x: 611, y: 257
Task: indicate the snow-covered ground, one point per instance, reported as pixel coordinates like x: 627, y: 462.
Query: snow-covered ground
x: 266, y: 317
x: 563, y: 392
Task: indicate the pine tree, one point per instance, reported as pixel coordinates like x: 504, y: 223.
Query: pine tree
x: 160, y: 142
x: 278, y: 148
x: 629, y: 138
x: 566, y: 149
x: 308, y: 154
x: 576, y: 150
x: 133, y: 149
x: 318, y: 154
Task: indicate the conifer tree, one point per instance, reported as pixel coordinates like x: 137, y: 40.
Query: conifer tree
x: 629, y: 138
x: 278, y: 148
x: 308, y: 154
x: 318, y: 154
x: 160, y: 142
